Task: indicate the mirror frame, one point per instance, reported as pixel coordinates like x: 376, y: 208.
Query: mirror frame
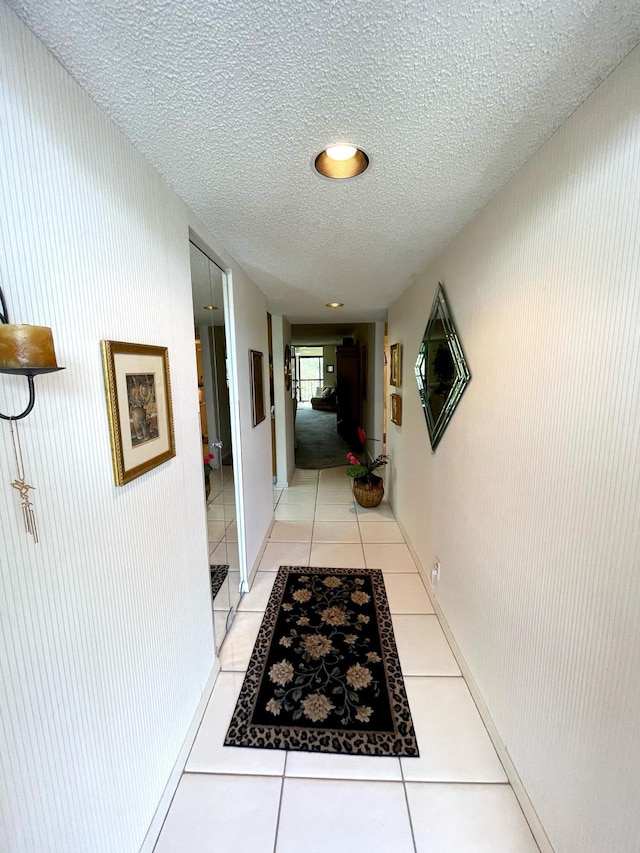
x: 440, y: 311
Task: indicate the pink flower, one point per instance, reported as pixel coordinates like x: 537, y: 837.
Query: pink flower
x: 353, y: 459
x: 208, y: 458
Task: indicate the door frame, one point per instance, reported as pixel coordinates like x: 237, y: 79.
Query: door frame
x: 229, y: 332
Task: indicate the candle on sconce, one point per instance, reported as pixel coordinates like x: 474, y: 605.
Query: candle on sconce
x: 28, y: 350
x: 26, y: 346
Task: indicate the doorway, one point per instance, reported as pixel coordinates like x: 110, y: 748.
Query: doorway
x: 208, y: 285
x: 310, y: 373
x: 318, y: 443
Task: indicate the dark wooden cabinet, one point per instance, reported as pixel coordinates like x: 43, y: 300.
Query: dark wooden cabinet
x: 348, y: 391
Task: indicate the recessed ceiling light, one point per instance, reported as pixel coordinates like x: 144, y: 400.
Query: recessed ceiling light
x: 341, y: 152
x: 335, y: 304
x: 341, y: 161
x: 210, y: 307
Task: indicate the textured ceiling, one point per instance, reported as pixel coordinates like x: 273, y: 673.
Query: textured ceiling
x: 231, y: 100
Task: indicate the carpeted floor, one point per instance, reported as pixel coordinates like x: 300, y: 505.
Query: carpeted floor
x: 318, y: 445
x: 324, y: 675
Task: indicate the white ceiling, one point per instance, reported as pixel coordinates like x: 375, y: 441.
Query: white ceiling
x: 231, y: 100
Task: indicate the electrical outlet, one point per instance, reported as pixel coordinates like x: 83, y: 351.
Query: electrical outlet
x: 435, y: 572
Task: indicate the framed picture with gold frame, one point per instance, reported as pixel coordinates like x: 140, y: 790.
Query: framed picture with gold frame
x: 287, y: 367
x: 258, y: 413
x: 396, y: 409
x: 138, y: 393
x: 395, y: 367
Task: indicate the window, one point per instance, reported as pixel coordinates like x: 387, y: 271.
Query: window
x: 310, y: 372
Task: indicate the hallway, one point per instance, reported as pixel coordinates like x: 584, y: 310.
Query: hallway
x: 318, y: 443
x: 454, y: 798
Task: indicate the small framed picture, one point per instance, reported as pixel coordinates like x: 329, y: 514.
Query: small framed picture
x: 396, y: 409
x: 138, y: 392
x: 329, y: 368
x: 396, y: 365
x: 287, y: 367
x: 257, y: 387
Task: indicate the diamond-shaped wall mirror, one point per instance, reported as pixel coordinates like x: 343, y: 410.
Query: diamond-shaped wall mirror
x: 441, y: 370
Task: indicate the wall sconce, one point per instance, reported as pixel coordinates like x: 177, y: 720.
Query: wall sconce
x: 24, y: 351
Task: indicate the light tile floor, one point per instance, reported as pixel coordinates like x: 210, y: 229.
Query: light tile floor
x: 223, y: 544
x: 453, y: 799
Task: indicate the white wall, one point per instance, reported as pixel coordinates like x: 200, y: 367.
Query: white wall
x: 377, y: 375
x: 532, y: 499
x: 371, y: 336
x: 106, y: 642
x: 250, y: 333
x: 285, y: 428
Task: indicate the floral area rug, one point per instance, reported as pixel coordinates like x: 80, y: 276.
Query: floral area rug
x: 218, y: 576
x: 324, y: 675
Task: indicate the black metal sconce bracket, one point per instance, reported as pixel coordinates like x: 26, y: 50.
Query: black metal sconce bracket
x: 30, y: 373
x: 4, y: 314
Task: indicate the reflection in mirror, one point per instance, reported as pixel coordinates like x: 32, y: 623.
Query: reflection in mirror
x: 215, y: 425
x: 441, y: 370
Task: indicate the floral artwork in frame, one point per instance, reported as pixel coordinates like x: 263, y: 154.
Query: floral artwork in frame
x: 287, y: 367
x: 396, y: 409
x: 257, y: 387
x: 396, y: 366
x: 138, y: 393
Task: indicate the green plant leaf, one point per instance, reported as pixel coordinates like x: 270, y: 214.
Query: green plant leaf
x: 356, y: 471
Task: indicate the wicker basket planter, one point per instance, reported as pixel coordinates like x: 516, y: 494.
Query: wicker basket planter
x: 368, y: 491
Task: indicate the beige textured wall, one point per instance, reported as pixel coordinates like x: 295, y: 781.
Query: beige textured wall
x: 532, y: 499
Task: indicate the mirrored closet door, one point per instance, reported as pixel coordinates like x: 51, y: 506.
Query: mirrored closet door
x: 217, y: 447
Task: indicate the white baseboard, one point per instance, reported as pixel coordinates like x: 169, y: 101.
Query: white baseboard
x: 256, y: 562
x: 153, y: 833
x: 519, y: 790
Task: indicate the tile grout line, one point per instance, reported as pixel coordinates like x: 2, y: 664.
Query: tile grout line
x: 406, y: 799
x: 313, y: 522
x: 284, y: 771
x: 356, y: 779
